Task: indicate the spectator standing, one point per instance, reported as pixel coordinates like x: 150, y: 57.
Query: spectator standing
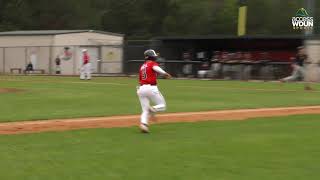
x: 248, y: 64
x: 216, y: 65
x: 266, y: 70
x: 238, y: 65
x: 204, y: 70
x: 187, y: 67
x: 58, y: 63
x: 227, y: 66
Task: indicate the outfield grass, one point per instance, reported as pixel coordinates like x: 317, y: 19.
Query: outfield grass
x: 285, y: 148
x: 47, y: 97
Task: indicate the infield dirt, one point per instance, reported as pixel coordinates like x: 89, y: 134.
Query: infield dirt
x: 9, y: 90
x: 133, y: 120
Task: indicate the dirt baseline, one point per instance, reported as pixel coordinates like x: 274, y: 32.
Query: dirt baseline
x: 132, y: 120
x: 9, y: 90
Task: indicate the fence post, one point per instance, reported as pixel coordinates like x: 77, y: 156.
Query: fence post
x: 99, y: 63
x: 26, y: 56
x: 123, y: 57
x: 4, y: 60
x: 50, y: 59
x: 75, y: 59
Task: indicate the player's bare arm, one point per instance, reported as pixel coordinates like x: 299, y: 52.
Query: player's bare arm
x: 159, y: 70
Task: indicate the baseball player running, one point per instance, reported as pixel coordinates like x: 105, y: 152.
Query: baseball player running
x: 148, y: 91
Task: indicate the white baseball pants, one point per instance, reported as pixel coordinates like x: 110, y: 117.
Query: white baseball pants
x: 150, y: 94
x: 85, y: 71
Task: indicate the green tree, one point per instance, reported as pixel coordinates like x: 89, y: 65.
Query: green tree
x: 225, y: 19
x: 272, y: 17
x: 143, y: 19
x: 14, y: 14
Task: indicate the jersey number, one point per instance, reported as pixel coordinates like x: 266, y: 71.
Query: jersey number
x: 144, y: 72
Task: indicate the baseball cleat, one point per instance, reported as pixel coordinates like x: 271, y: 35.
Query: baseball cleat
x: 144, y: 128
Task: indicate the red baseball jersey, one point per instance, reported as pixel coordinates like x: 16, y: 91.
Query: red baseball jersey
x: 85, y: 58
x: 146, y: 74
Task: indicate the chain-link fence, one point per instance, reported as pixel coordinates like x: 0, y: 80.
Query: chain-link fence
x: 170, y: 58
x: 217, y: 59
x: 189, y: 59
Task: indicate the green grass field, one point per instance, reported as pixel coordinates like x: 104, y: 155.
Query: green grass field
x: 285, y: 148
x: 68, y: 97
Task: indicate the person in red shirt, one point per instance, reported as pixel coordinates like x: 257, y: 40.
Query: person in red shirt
x: 148, y: 90
x: 85, y: 71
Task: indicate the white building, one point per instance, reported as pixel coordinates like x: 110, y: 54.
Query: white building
x: 18, y: 48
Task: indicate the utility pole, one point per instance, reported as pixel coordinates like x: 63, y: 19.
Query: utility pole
x: 242, y: 18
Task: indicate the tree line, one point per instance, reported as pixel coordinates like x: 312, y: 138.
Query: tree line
x: 142, y: 19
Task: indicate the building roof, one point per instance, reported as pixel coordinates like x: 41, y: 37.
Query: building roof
x: 223, y: 37
x: 52, y: 32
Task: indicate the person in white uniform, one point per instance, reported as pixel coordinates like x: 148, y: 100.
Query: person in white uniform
x: 148, y: 91
x: 85, y: 70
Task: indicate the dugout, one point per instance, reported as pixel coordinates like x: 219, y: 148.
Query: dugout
x: 41, y: 48
x: 278, y: 48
